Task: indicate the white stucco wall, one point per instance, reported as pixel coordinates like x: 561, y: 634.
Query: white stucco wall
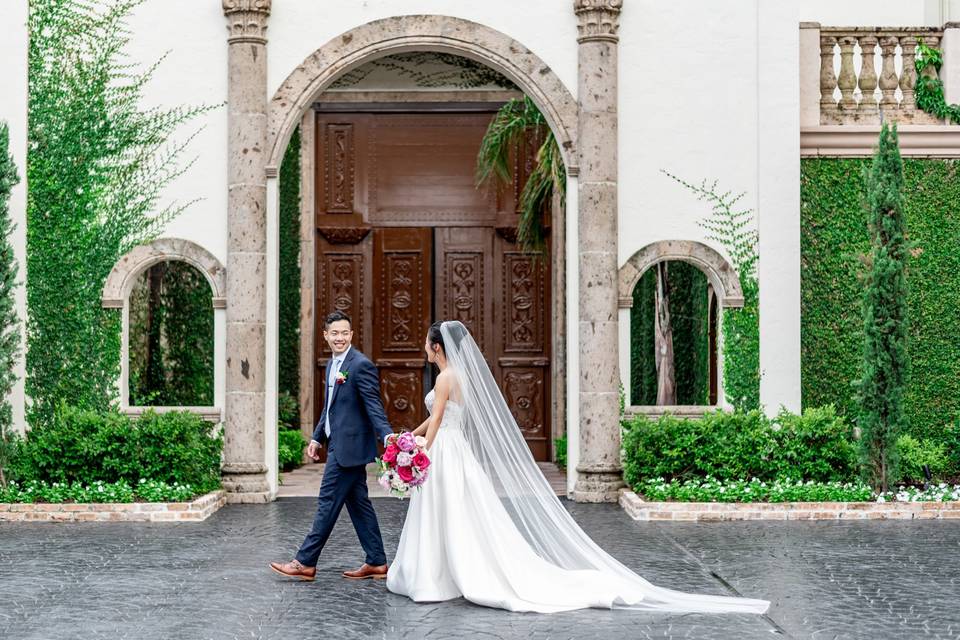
x: 706, y: 90
x: 193, y: 35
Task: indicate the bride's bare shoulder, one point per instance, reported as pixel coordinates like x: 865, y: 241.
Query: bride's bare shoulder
x: 445, y: 378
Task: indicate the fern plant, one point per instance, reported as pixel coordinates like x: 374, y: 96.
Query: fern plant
x: 735, y: 230
x: 510, y: 127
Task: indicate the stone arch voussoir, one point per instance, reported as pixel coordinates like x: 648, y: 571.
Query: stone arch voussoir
x: 720, y: 273
x: 422, y: 33
x: 125, y: 272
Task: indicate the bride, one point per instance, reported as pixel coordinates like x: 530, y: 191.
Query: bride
x: 487, y: 526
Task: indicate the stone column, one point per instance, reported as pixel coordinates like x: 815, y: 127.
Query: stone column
x: 599, y: 470
x: 244, y: 469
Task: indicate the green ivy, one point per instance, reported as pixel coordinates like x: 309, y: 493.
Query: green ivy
x: 741, y: 349
x: 834, y: 241
x: 289, y: 245
x: 929, y: 90
x: 735, y: 229
x: 96, y: 166
x: 9, y: 321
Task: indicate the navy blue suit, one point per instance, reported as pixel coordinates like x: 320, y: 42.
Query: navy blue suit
x: 357, y: 424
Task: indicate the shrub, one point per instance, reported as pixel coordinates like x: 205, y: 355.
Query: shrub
x: 288, y: 411
x: 86, y: 447
x: 816, y: 444
x: 735, y: 446
x: 560, y: 449
x: 290, y: 448
x: 914, y: 453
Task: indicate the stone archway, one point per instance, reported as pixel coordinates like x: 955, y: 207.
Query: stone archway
x: 422, y: 33
x: 116, y: 295
x: 720, y: 273
x: 258, y: 134
x: 134, y: 262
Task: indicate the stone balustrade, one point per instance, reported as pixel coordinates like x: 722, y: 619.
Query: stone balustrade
x: 862, y: 75
x: 876, y: 74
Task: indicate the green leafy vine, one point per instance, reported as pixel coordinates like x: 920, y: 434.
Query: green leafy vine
x: 929, y: 90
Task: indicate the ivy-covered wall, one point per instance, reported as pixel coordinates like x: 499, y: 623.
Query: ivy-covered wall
x: 834, y: 239
x: 289, y: 245
x: 96, y: 166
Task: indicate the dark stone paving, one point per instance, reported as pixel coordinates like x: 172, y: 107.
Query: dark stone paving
x: 826, y: 580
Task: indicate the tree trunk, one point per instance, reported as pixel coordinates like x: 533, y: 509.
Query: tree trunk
x: 663, y: 336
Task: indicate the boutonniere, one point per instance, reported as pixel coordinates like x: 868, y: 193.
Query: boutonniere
x: 342, y: 377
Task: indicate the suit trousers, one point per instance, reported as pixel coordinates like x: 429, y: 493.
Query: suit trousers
x: 343, y: 486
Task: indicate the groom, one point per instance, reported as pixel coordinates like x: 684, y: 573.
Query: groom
x: 350, y: 425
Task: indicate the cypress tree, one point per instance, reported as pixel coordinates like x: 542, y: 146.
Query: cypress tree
x: 885, y: 358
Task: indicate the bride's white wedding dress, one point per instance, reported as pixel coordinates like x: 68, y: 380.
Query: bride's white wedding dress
x: 485, y: 528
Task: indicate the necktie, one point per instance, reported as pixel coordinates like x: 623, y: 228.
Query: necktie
x: 331, y: 382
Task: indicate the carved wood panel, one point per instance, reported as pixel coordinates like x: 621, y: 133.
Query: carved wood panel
x: 464, y: 258
x: 339, y: 168
x: 402, y: 267
x: 434, y: 253
x: 523, y: 359
x: 341, y: 286
x: 402, y: 397
x: 524, y: 293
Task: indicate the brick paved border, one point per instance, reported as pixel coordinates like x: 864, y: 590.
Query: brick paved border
x: 639, y: 509
x: 197, y: 510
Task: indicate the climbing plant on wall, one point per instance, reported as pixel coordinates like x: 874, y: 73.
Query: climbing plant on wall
x: 834, y: 241
x: 735, y: 229
x: 929, y: 89
x: 9, y: 322
x: 289, y: 340
x: 97, y: 163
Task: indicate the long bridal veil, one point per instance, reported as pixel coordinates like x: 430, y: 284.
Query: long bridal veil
x: 496, y: 441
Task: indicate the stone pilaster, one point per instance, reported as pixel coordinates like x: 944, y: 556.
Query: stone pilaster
x: 599, y: 470
x: 244, y: 470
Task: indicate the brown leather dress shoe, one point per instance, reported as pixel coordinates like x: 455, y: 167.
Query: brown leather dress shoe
x: 367, y: 571
x: 294, y: 569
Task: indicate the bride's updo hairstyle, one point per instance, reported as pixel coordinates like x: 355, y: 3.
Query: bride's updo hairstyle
x: 435, y: 336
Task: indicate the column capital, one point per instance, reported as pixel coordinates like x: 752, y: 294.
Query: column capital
x: 246, y: 20
x: 597, y: 19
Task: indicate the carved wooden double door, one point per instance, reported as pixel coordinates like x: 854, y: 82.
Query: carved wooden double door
x: 405, y: 238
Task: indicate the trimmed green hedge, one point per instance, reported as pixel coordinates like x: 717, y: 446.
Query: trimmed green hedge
x: 833, y: 240
x: 290, y: 448
x: 89, y: 447
x: 816, y: 445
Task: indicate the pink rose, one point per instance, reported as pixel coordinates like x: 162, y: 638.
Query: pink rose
x: 406, y: 441
x: 390, y: 453
x: 405, y: 473
x: 421, y: 461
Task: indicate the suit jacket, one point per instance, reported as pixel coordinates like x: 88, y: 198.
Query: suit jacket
x: 357, y: 418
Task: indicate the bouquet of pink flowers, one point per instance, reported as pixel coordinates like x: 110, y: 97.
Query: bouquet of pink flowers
x: 404, y: 464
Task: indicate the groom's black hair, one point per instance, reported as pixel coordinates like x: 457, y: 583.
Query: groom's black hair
x: 336, y: 316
